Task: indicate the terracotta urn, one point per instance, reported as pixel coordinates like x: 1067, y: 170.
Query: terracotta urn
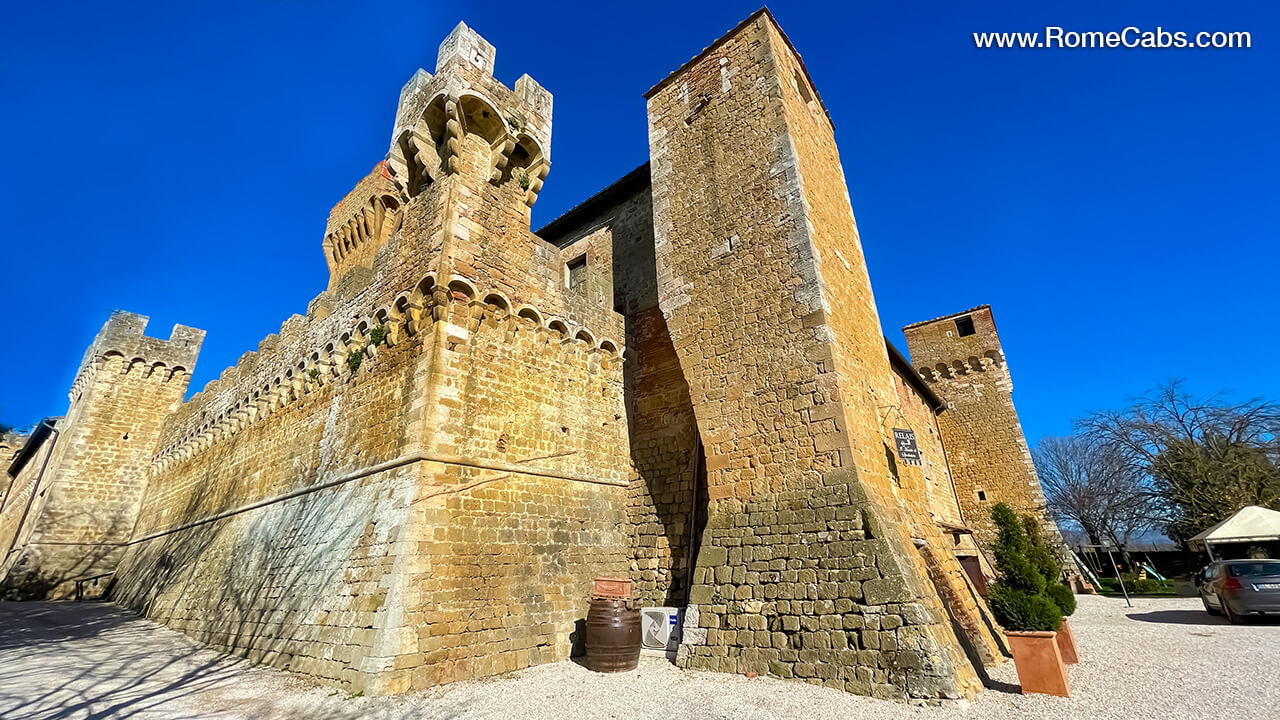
x: 1039, y: 664
x: 1067, y: 644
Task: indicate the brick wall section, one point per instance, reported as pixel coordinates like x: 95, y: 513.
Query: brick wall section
x: 806, y: 568
x: 986, y: 448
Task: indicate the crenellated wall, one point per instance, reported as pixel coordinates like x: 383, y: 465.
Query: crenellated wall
x: 438, y: 446
x: 960, y: 356
x: 84, y: 500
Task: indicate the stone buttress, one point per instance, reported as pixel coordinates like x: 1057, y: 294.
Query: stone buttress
x: 807, y: 566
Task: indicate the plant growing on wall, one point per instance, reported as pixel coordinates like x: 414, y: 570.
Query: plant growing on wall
x: 524, y: 180
x: 354, y: 358
x: 1020, y: 598
x: 377, y: 335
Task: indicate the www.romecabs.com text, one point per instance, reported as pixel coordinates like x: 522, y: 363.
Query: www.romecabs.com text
x: 1133, y: 38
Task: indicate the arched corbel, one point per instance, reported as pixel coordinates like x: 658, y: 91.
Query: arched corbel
x: 537, y: 174
x: 500, y: 153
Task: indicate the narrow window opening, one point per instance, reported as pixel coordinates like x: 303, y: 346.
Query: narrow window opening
x: 964, y: 326
x: 576, y: 271
x: 982, y: 495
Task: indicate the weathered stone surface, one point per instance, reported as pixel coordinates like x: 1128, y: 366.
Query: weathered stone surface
x: 682, y: 380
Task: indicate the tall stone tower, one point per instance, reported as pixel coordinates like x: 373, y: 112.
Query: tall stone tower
x: 808, y: 554
x: 960, y: 356
x: 70, y: 517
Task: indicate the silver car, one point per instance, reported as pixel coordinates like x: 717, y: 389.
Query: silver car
x: 1237, y: 588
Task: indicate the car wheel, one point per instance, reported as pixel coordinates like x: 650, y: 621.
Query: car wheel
x: 1211, y: 611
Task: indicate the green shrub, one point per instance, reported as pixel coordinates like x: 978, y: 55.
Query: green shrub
x: 1062, y: 596
x: 1019, y: 599
x: 1022, y: 610
x: 1147, y: 585
x: 354, y: 358
x: 1040, y: 553
x: 377, y: 335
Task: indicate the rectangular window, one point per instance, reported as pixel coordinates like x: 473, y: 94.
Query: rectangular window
x: 576, y: 271
x: 964, y: 325
x: 982, y: 495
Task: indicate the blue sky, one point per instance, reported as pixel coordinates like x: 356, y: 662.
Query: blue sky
x: 1116, y: 207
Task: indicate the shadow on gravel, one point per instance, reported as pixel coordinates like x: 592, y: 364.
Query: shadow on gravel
x: 1178, y: 617
x: 1004, y: 687
x: 64, y: 660
x: 1196, y: 617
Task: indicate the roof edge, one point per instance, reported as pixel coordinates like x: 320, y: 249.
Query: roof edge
x: 762, y: 12
x: 947, y: 317
x: 903, y: 365
x: 34, y: 442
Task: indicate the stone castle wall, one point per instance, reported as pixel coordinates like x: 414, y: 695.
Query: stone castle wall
x: 88, y: 499
x: 683, y: 380
x: 416, y: 482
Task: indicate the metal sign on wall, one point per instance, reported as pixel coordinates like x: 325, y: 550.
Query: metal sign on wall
x: 908, y: 451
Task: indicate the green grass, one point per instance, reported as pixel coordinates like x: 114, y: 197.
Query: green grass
x: 1111, y: 588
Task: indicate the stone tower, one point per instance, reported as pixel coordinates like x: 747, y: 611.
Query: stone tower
x: 807, y: 557
x: 87, y: 497
x: 960, y: 356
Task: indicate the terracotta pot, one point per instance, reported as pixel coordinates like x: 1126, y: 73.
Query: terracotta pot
x: 1039, y: 664
x: 1067, y: 644
x: 607, y: 587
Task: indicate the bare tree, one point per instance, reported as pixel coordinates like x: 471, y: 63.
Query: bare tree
x: 1093, y: 485
x: 1204, y: 458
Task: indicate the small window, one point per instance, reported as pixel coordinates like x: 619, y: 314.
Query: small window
x: 964, y: 325
x: 982, y: 495
x: 576, y: 271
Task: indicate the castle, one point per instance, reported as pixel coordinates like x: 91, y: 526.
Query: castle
x: 682, y: 380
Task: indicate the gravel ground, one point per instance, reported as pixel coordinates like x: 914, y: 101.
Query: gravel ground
x: 1164, y: 658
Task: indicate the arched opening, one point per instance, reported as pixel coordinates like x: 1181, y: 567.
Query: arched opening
x: 462, y: 289
x: 559, y: 326
x: 497, y: 301
x: 529, y: 313
x: 481, y: 118
x: 609, y: 347
x: 585, y: 337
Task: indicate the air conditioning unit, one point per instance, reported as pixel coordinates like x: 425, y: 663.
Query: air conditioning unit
x: 660, y: 629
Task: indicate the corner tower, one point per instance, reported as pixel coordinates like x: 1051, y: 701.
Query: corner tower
x: 80, y: 510
x: 807, y: 566
x: 961, y: 358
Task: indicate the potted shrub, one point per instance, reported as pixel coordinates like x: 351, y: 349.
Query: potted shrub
x: 1020, y: 602
x: 1059, y: 592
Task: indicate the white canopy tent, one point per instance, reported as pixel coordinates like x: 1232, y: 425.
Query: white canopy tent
x: 1250, y: 524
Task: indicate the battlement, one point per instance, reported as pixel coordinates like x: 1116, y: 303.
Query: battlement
x: 437, y: 112
x: 362, y: 222
x: 281, y: 371
x: 124, y: 336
